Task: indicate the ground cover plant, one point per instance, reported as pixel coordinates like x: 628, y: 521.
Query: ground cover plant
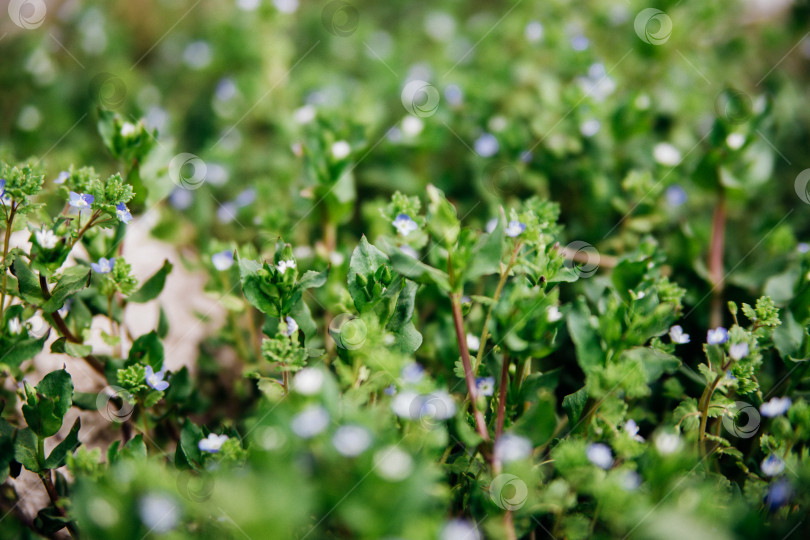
x: 472, y: 270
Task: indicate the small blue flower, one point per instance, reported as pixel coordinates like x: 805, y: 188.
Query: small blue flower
x: 123, y: 213
x: 292, y: 326
x: 222, y: 260
x: 677, y: 336
x: 631, y: 427
x: 485, y: 385
x: 404, y: 224
x: 738, y: 351
x: 412, y: 373
x: 103, y: 266
x: 779, y: 493
x: 515, y: 228
x: 775, y: 407
x: 676, y: 195
x: 772, y: 465
x: 155, y: 380
x: 600, y: 455
x: 717, y: 336
x: 2, y: 187
x: 80, y: 200
x: 390, y: 390
x: 486, y: 145
x: 212, y: 443
x: 62, y: 178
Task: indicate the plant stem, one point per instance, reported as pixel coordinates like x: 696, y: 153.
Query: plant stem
x: 501, y: 282
x: 716, y: 260
x: 47, y: 481
x: 461, y: 337
x: 65, y: 332
x: 6, y: 240
x: 502, y: 391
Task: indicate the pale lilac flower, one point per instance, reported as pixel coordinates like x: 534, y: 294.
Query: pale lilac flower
x: 222, y: 260
x: 486, y: 145
x: 676, y: 195
x: 310, y: 422
x: 510, y: 447
x: 15, y: 326
x: 407, y: 404
x: 404, y: 224
x: 515, y: 228
x: 677, y: 335
x: 473, y: 342
x: 717, y: 336
x: 292, y: 326
x: 46, y: 238
x: 738, y: 351
x: 103, y: 266
x: 772, y: 465
x: 412, y: 373
x: 775, y: 407
x: 390, y: 390
x: 308, y: 381
x: 155, y: 380
x: 632, y: 429
x: 212, y: 443
x: 351, y: 441
x: 667, y: 443
x: 283, y: 265
x: 600, y: 455
x: 159, y: 513
x: 393, y: 464
x: 80, y: 200
x: 459, y: 529
x: 485, y: 386
x: 62, y: 178
x: 123, y: 213
x: 779, y: 494
x: 438, y: 405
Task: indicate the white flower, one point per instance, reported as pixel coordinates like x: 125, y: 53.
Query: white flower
x: 351, y: 441
x: 510, y: 447
x: 589, y: 128
x: 341, y: 150
x: 46, y: 238
x: 600, y: 455
x: 438, y: 405
x: 305, y: 114
x: 632, y: 429
x: 553, y: 314
x: 473, y: 342
x: 533, y: 31
x: 213, y: 443
x: 738, y: 351
x: 735, y: 140
x: 407, y: 404
x: 412, y: 126
x: 308, y: 381
x: 666, y: 154
x: 310, y: 422
x: 392, y: 464
x: 485, y: 386
x: 222, y: 260
x: 15, y: 326
x: 717, y: 336
x: 37, y: 326
x: 404, y: 224
x: 677, y: 336
x: 127, y: 129
x: 159, y: 513
x: 515, y: 228
x: 775, y: 407
x: 412, y: 373
x: 292, y: 326
x: 772, y: 465
x: 459, y: 529
x: 284, y: 265
x: 667, y: 443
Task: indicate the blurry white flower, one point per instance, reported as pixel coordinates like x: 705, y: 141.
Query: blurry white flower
x: 393, y: 464
x: 666, y: 154
x: 486, y: 145
x: 738, y: 351
x: 600, y: 455
x: 46, y: 238
x: 341, y: 150
x: 677, y: 336
x: 533, y: 31
x: 510, y: 447
x: 459, y: 529
x: 308, y: 381
x: 667, y: 443
x: 772, y: 465
x: 212, y: 443
x: 775, y: 407
x: 553, y: 314
x: 473, y: 342
x: 310, y: 422
x: 351, y: 441
x: 159, y: 513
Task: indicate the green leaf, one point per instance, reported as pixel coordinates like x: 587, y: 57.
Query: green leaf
x: 312, y: 279
x: 627, y: 276
x: 70, y: 282
x: 583, y: 333
x: 655, y: 362
x: 86, y: 401
x: 27, y: 282
x: 574, y: 404
x: 148, y: 350
x: 365, y: 261
x: 16, y: 352
x: 441, y: 218
x: 419, y: 271
x: 58, y: 455
x: 153, y: 286
x: 46, y: 405
x: 50, y: 520
x: 486, y: 255
x: 540, y: 421
x: 25, y: 450
x: 252, y: 287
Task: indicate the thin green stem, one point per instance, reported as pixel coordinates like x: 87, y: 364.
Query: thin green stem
x: 501, y: 282
x: 6, y: 241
